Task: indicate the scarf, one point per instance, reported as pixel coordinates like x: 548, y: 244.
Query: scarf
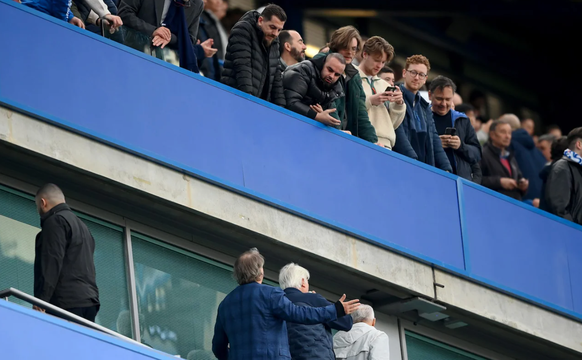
x: 176, y: 22
x: 573, y: 157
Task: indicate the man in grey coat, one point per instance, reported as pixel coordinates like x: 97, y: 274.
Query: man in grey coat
x: 363, y: 341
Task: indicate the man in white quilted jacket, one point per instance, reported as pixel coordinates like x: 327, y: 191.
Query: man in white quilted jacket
x: 363, y: 341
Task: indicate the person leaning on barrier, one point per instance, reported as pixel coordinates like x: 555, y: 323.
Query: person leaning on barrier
x: 251, y: 64
x: 64, y: 269
x: 564, y: 186
x: 250, y: 323
x: 312, y: 86
x: 308, y: 342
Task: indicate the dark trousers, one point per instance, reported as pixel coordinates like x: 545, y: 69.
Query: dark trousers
x: 88, y: 313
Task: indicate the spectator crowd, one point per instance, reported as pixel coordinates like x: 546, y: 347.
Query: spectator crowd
x: 347, y: 86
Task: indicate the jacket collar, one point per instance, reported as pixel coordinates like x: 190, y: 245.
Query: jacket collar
x: 291, y: 290
x: 497, y: 151
x: 54, y: 210
x: 363, y: 74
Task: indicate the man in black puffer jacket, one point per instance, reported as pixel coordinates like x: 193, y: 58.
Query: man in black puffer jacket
x: 315, y: 82
x: 252, y: 56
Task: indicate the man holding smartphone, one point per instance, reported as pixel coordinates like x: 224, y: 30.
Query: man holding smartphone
x: 384, y: 102
x: 455, y: 131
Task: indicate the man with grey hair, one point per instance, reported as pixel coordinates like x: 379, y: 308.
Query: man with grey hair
x: 64, y: 269
x: 250, y: 323
x: 364, y: 341
x: 308, y: 342
x: 529, y: 158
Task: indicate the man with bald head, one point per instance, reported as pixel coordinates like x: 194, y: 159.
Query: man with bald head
x: 64, y: 270
x: 529, y: 158
x: 292, y: 48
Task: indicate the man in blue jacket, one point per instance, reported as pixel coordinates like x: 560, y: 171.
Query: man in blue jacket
x: 60, y: 9
x: 462, y: 148
x: 417, y: 137
x: 308, y: 342
x: 250, y: 323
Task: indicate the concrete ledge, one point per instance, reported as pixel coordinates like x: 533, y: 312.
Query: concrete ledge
x: 511, y: 312
x: 355, y: 255
x: 171, y: 185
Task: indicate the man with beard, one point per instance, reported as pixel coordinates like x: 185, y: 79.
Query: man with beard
x: 292, y: 48
x: 252, y: 56
x: 312, y: 86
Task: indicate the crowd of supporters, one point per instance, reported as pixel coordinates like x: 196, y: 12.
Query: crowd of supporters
x: 348, y: 86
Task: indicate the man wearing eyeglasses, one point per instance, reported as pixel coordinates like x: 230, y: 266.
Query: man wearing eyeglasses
x: 417, y: 136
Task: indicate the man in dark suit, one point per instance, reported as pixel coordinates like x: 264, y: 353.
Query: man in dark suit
x: 250, y: 323
x: 309, y: 342
x: 163, y: 22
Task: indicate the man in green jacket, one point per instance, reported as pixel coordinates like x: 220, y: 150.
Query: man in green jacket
x: 351, y: 109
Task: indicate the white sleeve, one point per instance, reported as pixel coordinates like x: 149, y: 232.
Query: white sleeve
x: 380, y: 348
x: 98, y: 6
x: 92, y: 18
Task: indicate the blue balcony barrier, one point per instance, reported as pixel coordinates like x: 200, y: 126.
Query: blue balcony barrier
x: 74, y: 79
x: 28, y: 334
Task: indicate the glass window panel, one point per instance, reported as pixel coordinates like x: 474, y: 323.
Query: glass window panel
x: 423, y: 348
x: 178, y: 296
x: 19, y: 224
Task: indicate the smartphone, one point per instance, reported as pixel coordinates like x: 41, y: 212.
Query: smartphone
x: 390, y: 88
x: 451, y: 131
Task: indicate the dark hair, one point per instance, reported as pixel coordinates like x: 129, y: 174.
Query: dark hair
x: 574, y: 136
x: 464, y: 108
x: 496, y: 123
x: 386, y: 69
x: 441, y: 82
x: 342, y: 37
x: 274, y: 10
x: 284, y: 37
x: 247, y: 268
x: 338, y: 56
x: 558, y: 148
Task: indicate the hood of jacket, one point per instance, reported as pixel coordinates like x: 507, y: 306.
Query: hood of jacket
x: 523, y: 138
x: 354, y: 341
x: 455, y: 115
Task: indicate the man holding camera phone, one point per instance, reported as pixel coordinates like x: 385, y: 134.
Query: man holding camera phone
x: 455, y: 131
x: 384, y: 102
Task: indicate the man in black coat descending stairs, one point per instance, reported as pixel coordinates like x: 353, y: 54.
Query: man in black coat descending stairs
x: 252, y: 55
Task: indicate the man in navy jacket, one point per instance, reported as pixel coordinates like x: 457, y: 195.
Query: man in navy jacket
x: 250, y: 323
x: 462, y: 148
x: 417, y: 137
x: 309, y: 342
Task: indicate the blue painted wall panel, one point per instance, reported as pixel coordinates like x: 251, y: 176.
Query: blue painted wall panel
x: 574, y: 246
x: 26, y: 334
x: 244, y: 143
x: 115, y: 94
x: 513, y: 246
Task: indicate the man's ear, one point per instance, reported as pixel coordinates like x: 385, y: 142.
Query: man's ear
x: 260, y: 21
x: 287, y: 47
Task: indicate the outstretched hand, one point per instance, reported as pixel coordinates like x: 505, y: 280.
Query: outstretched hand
x: 349, y: 306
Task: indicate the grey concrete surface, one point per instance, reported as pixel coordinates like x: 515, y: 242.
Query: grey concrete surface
x: 289, y: 231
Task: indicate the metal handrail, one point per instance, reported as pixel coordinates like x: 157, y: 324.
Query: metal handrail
x: 64, y: 314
